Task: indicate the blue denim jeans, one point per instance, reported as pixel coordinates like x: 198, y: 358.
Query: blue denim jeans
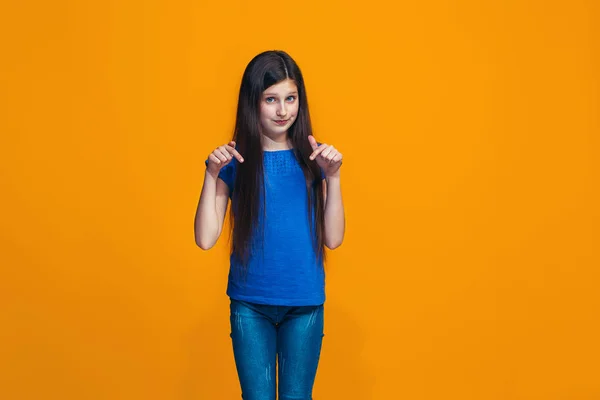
x: 264, y: 336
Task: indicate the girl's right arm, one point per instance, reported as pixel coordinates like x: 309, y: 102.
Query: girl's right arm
x: 212, y: 206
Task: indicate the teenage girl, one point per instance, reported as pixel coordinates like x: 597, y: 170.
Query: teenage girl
x: 286, y: 206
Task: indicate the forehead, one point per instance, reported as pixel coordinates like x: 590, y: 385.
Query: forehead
x: 283, y: 87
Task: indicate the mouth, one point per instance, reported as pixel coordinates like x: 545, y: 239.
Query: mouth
x: 281, y: 122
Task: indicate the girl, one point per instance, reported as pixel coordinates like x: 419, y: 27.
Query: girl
x: 286, y: 205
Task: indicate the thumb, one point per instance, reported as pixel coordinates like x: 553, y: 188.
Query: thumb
x: 313, y: 142
x: 232, y: 144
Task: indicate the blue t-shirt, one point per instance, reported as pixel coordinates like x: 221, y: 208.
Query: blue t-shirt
x: 285, y: 269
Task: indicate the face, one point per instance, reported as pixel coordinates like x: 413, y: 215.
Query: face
x: 279, y: 108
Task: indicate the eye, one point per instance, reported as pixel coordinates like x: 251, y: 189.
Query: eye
x: 291, y: 98
x: 270, y: 99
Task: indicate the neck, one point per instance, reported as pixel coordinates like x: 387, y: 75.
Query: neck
x: 278, y: 142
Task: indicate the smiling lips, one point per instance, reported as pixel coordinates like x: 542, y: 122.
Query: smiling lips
x: 281, y: 121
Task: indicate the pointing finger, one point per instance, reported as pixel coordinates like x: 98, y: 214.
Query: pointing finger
x: 313, y: 142
x: 235, y: 153
x: 318, y: 151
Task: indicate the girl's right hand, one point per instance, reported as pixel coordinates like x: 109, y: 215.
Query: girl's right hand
x: 222, y: 156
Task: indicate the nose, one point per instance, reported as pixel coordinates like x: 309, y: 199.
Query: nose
x: 281, y: 110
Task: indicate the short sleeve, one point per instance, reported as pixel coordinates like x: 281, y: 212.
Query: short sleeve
x: 227, y: 174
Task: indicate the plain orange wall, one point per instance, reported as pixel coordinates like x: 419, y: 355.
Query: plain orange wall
x: 471, y: 139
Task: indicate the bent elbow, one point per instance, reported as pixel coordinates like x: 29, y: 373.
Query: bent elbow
x: 204, y: 244
x: 333, y: 244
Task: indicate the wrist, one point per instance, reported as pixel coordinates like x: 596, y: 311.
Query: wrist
x: 333, y: 177
x: 211, y: 174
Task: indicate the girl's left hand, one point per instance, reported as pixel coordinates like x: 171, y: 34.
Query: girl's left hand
x: 327, y: 157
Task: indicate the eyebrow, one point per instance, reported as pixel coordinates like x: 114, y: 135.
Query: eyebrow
x: 275, y: 94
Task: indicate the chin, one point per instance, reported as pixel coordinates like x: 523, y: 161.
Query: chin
x: 279, y: 130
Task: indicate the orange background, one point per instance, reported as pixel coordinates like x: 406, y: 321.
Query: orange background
x: 471, y: 140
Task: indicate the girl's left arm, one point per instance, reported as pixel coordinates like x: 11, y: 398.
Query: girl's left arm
x: 329, y: 159
x: 335, y: 223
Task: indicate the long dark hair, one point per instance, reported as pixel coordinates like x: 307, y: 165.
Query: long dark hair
x: 263, y: 71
